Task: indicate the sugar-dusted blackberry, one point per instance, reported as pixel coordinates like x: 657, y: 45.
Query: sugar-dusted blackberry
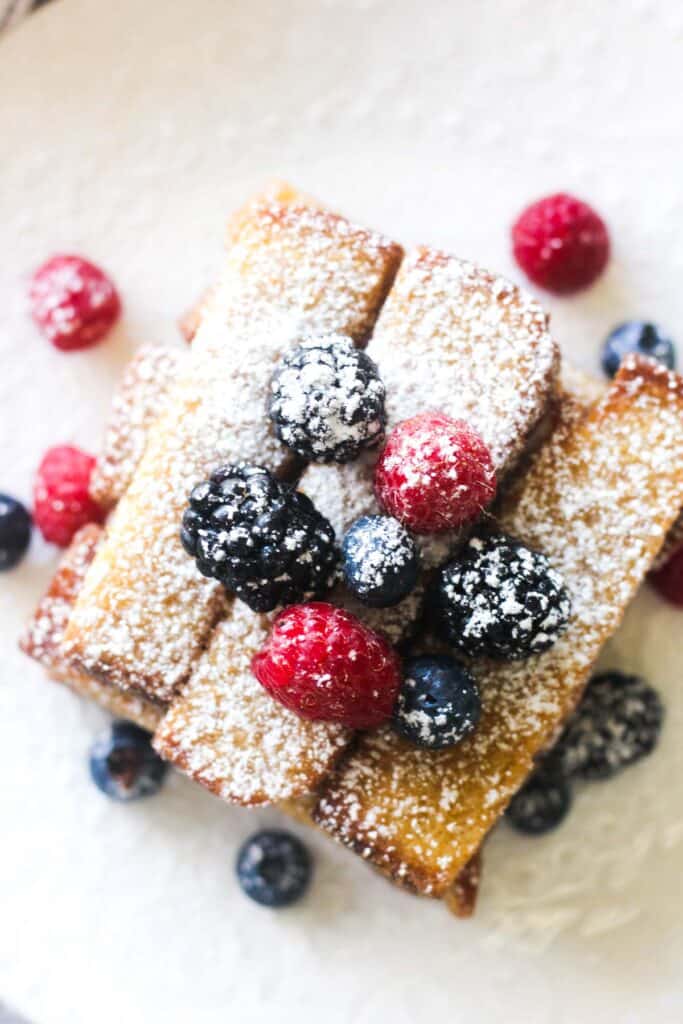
x: 327, y: 400
x: 379, y: 560
x: 499, y: 599
x: 543, y: 802
x: 617, y: 723
x: 263, y: 540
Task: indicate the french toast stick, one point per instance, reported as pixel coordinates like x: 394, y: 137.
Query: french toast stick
x: 598, y: 500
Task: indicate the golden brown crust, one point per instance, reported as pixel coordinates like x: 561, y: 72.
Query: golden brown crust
x: 598, y: 499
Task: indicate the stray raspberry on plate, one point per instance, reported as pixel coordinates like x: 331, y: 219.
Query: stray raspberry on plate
x: 323, y: 664
x: 73, y: 302
x: 62, y: 502
x: 561, y: 244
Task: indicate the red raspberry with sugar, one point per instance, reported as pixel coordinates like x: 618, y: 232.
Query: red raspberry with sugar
x: 668, y: 581
x: 561, y: 244
x: 323, y: 664
x: 73, y: 302
x: 62, y: 502
x: 434, y: 473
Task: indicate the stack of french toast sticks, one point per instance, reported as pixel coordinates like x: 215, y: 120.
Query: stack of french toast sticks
x: 592, y: 478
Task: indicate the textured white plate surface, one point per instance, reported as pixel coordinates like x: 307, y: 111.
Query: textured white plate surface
x: 128, y: 131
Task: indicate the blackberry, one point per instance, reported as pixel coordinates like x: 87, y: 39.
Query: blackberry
x: 500, y: 600
x: 438, y: 703
x: 123, y: 764
x: 327, y: 400
x: 379, y: 561
x: 15, y: 531
x: 274, y: 868
x: 543, y: 802
x: 640, y: 337
x: 263, y: 540
x: 617, y: 723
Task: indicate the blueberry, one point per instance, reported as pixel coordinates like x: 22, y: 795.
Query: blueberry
x: 543, y: 801
x: 639, y: 337
x: 380, y: 561
x: 438, y: 703
x: 274, y: 868
x: 15, y: 531
x: 123, y: 763
x: 616, y: 724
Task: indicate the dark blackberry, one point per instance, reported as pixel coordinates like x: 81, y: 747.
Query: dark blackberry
x: 501, y: 600
x: 123, y: 764
x: 15, y: 531
x: 543, y: 801
x: 263, y: 540
x: 379, y: 559
x: 617, y: 722
x: 274, y: 868
x: 438, y: 703
x: 327, y: 400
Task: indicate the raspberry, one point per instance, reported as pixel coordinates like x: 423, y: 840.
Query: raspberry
x: 323, y: 664
x: 73, y: 302
x: 561, y: 244
x: 62, y: 502
x: 668, y: 581
x: 434, y: 474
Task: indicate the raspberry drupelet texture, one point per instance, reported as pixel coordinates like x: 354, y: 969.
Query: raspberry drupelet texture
x: 263, y: 540
x: 327, y: 400
x: 73, y: 302
x: 499, y: 599
x: 434, y: 473
x: 323, y: 664
x: 61, y: 495
x: 561, y: 244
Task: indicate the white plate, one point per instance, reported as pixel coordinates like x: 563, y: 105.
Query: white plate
x: 128, y: 131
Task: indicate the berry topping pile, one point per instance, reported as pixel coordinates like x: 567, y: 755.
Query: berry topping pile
x: 15, y: 531
x: 542, y: 803
x: 617, y: 723
x: 323, y: 664
x: 274, y: 868
x: 379, y: 560
x: 73, y: 302
x: 61, y: 496
x: 668, y: 581
x: 561, y: 244
x: 262, y: 539
x: 438, y: 703
x: 327, y: 400
x: 637, y: 337
x: 501, y: 600
x: 123, y: 764
x: 434, y: 474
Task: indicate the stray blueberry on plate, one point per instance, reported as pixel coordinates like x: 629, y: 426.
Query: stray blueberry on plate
x: 543, y: 802
x: 637, y: 337
x: 15, y: 531
x: 438, y: 704
x: 617, y: 723
x: 123, y: 763
x: 274, y: 868
x: 379, y: 560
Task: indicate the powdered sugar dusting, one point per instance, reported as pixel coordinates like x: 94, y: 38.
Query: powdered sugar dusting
x: 137, y: 404
x: 229, y: 734
x: 145, y: 611
x: 597, y: 500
